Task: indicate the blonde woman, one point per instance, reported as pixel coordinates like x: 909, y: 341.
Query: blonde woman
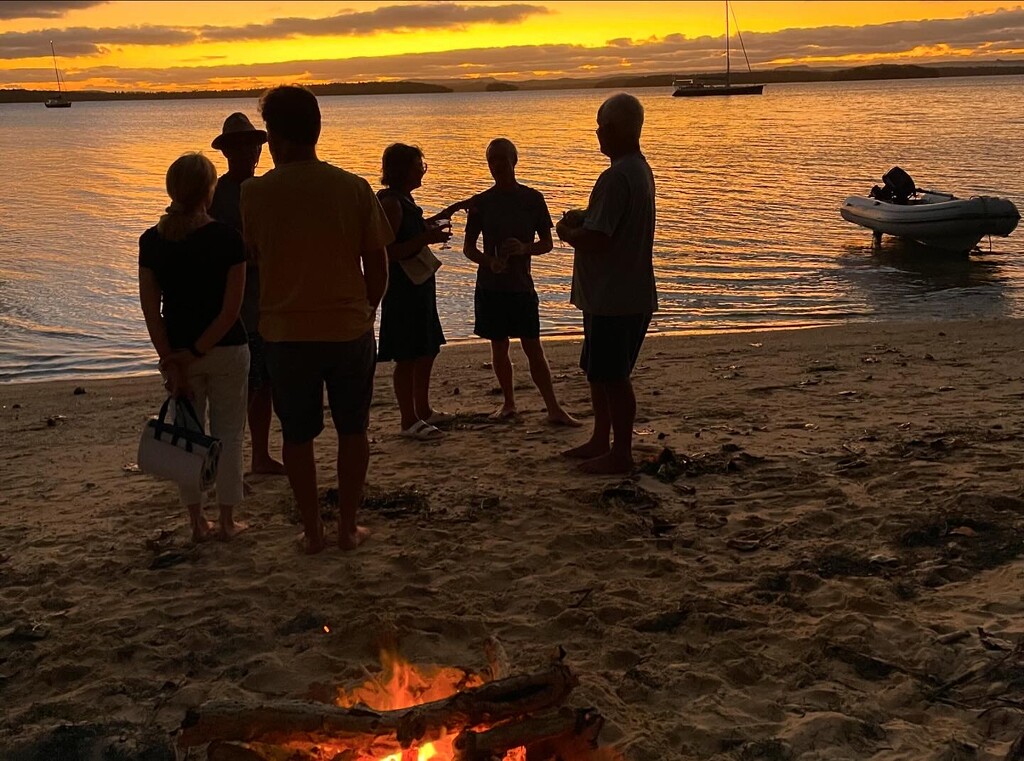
x: 191, y: 283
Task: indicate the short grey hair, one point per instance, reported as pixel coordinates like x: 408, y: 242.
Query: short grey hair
x: 505, y: 145
x: 625, y: 112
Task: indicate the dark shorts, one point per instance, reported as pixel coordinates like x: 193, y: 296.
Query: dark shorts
x: 299, y: 371
x: 259, y: 373
x: 611, y: 345
x: 506, y: 314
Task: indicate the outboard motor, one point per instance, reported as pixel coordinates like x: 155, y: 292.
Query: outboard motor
x: 899, y: 187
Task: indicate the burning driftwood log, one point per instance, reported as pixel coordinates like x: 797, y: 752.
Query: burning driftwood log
x: 362, y: 728
x: 566, y: 733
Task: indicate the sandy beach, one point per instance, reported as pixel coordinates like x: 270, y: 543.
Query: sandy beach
x: 819, y: 561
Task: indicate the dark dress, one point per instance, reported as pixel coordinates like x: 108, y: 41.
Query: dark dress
x: 409, y: 325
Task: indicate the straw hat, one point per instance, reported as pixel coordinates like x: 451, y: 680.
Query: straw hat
x: 238, y: 127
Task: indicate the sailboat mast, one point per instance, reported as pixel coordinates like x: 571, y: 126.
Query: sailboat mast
x: 726, y: 43
x: 55, y: 72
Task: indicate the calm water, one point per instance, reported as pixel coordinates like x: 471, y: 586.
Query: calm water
x: 748, y: 190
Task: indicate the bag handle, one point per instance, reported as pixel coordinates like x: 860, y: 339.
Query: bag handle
x: 183, y: 403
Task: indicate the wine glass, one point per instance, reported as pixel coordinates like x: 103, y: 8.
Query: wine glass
x: 445, y: 224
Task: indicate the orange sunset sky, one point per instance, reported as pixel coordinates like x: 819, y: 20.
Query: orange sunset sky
x: 189, y: 45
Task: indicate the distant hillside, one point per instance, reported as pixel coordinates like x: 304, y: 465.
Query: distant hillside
x: 490, y: 84
x: 334, y: 88
x: 791, y: 74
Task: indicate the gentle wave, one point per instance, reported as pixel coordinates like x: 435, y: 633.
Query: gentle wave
x: 749, y: 234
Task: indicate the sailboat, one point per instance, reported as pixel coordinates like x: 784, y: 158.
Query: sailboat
x: 61, y: 101
x: 688, y: 88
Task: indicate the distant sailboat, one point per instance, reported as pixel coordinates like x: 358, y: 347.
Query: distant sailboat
x: 61, y: 101
x: 688, y: 88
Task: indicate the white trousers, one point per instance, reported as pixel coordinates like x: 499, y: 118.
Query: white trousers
x: 219, y: 382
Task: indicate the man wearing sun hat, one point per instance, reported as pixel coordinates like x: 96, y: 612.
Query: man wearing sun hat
x: 241, y: 143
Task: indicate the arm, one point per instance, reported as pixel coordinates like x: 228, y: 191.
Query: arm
x: 375, y: 272
x: 222, y: 323
x: 608, y: 203
x: 541, y: 246
x: 446, y: 213
x: 583, y: 240
x: 399, y: 251
x: 469, y: 246
x: 149, y: 296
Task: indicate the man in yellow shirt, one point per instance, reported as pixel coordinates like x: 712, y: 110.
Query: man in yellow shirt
x: 320, y: 239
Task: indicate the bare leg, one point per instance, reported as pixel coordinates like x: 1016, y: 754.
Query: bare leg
x: 504, y: 372
x: 353, y: 460
x: 201, y: 528
x: 228, y: 527
x: 404, y: 380
x: 422, y: 367
x: 622, y: 407
x: 541, y: 374
x: 598, y: 443
x: 300, y: 463
x: 260, y: 408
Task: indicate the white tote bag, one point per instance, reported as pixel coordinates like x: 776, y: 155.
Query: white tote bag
x: 179, y: 451
x: 421, y: 266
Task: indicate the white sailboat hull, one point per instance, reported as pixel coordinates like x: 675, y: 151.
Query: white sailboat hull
x: 935, y: 220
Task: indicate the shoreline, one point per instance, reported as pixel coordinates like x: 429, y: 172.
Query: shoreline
x: 840, y: 534
x: 560, y: 337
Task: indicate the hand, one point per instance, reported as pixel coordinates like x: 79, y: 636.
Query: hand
x: 499, y: 264
x: 175, y: 372
x: 436, y: 233
x: 511, y: 247
x: 564, y: 231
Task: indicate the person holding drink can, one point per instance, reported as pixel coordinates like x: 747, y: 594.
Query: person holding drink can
x: 516, y: 226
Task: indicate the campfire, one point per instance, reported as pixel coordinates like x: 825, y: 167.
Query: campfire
x: 411, y: 713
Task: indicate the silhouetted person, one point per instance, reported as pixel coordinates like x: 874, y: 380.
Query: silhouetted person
x: 516, y: 227
x: 241, y: 143
x: 410, y: 329
x: 191, y: 281
x: 320, y: 239
x: 613, y: 282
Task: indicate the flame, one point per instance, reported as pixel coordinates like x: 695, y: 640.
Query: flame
x: 402, y: 685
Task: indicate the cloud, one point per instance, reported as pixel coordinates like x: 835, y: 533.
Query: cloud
x: 14, y: 9
x: 392, y: 18
x: 984, y: 36
x: 84, y: 41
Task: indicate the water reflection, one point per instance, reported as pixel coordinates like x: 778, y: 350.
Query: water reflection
x: 904, y: 280
x: 748, y: 190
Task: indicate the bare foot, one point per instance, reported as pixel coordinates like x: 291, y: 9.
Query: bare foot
x: 310, y: 547
x: 268, y: 467
x: 587, y: 451
x: 353, y: 540
x: 504, y: 412
x: 607, y: 464
x: 202, y: 531
x: 561, y: 417
x: 233, y: 529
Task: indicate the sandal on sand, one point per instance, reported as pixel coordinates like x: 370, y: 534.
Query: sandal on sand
x: 421, y: 431
x: 437, y: 418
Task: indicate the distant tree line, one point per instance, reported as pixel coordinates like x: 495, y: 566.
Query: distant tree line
x: 768, y: 76
x: 335, y: 88
x: 857, y: 73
